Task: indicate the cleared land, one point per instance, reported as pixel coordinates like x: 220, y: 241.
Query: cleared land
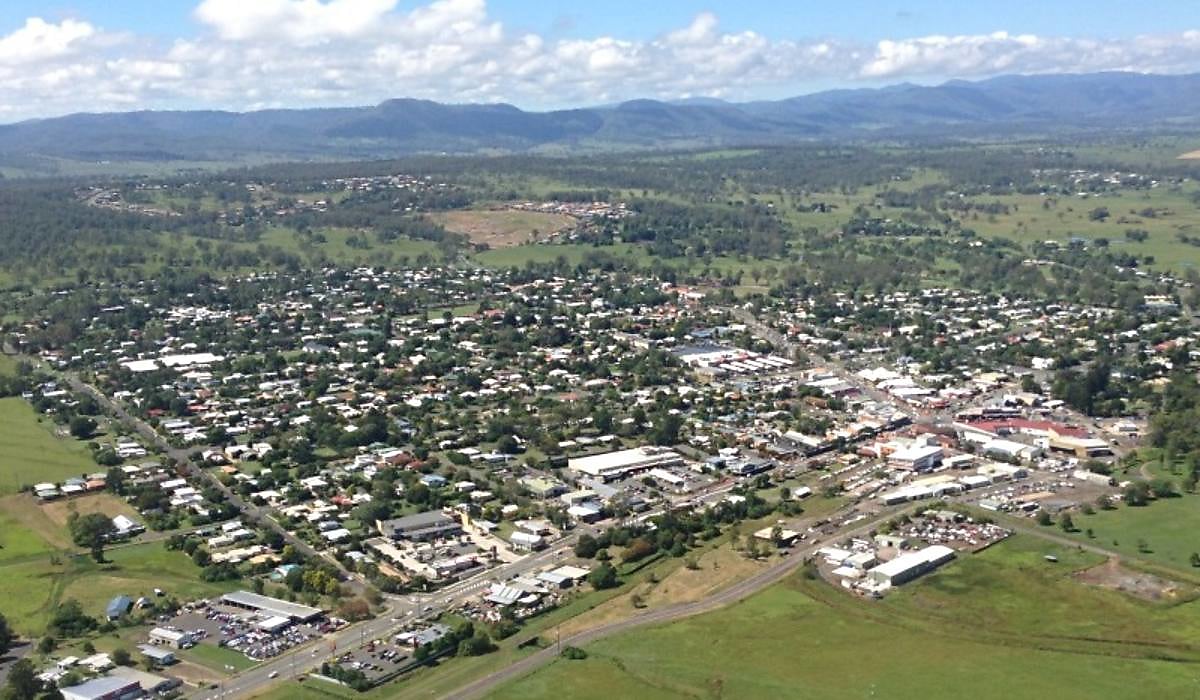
x: 1163, y: 532
x: 502, y: 228
x: 32, y: 588
x: 60, y: 511
x: 971, y: 626
x: 30, y: 452
x: 1190, y: 155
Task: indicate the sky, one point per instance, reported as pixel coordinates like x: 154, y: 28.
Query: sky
x: 64, y: 56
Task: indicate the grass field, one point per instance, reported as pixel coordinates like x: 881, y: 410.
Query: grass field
x: 501, y: 228
x: 1001, y: 624
x: 1168, y: 527
x: 217, y: 658
x: 60, y: 511
x: 30, y: 452
x: 32, y: 588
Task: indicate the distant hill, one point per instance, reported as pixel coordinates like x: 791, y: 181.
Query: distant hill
x: 999, y: 106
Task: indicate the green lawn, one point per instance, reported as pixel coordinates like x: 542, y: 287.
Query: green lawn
x: 1168, y: 527
x: 31, y: 589
x: 1001, y: 624
x: 8, y: 365
x: 30, y: 452
x: 319, y: 690
x: 19, y: 542
x: 217, y: 658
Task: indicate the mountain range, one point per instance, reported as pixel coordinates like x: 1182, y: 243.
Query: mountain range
x: 1008, y: 105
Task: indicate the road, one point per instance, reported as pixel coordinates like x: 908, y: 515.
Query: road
x: 726, y: 596
x: 181, y: 456
x: 764, y: 332
x: 402, y: 610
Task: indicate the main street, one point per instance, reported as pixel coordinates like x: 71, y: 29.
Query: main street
x: 762, y: 331
x: 402, y: 610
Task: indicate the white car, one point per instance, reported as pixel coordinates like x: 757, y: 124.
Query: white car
x: 273, y: 674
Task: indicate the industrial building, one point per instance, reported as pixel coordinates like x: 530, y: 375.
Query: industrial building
x: 176, y: 639
x: 615, y: 465
x: 908, y: 566
x: 917, y: 458
x: 273, y: 607
x: 421, y: 527
x: 104, y: 688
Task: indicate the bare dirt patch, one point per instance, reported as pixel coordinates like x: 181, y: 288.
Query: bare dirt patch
x: 1113, y: 576
x: 106, y: 503
x: 33, y: 516
x: 503, y: 228
x: 717, y: 569
x: 1190, y: 155
x: 195, y: 674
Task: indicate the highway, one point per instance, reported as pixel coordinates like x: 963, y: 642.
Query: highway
x: 726, y: 596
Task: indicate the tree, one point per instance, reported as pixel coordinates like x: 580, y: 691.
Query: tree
x: 1163, y: 487
x: 6, y: 635
x: 47, y: 645
x: 91, y: 531
x: 1136, y: 494
x: 586, y: 547
x: 23, y: 683
x: 121, y: 657
x: 1195, y: 559
x: 476, y: 645
x: 603, y: 576
x: 1044, y: 519
x: 666, y: 429
x: 1066, y: 523
x: 82, y: 427
x: 69, y: 621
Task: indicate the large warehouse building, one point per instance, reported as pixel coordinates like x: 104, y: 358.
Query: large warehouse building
x: 615, y: 465
x: 908, y: 566
x: 273, y: 607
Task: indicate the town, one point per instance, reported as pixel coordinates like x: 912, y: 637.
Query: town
x: 373, y: 468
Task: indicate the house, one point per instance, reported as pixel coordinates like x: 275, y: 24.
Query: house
x: 126, y: 527
x: 158, y: 655
x: 117, y: 607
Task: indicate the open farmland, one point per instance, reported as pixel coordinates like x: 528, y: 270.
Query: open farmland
x: 501, y: 228
x: 969, y: 625
x: 30, y: 452
x: 1162, y: 532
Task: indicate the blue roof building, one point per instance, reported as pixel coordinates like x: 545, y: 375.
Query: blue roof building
x: 118, y: 606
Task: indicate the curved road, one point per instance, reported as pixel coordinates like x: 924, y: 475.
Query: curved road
x: 726, y: 596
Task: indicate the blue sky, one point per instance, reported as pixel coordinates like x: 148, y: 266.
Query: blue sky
x: 60, y: 56
x: 862, y: 19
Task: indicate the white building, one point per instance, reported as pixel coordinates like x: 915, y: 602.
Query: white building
x: 614, y: 465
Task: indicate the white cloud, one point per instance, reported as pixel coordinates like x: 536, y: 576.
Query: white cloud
x: 268, y: 53
x: 295, y: 20
x: 39, y: 40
